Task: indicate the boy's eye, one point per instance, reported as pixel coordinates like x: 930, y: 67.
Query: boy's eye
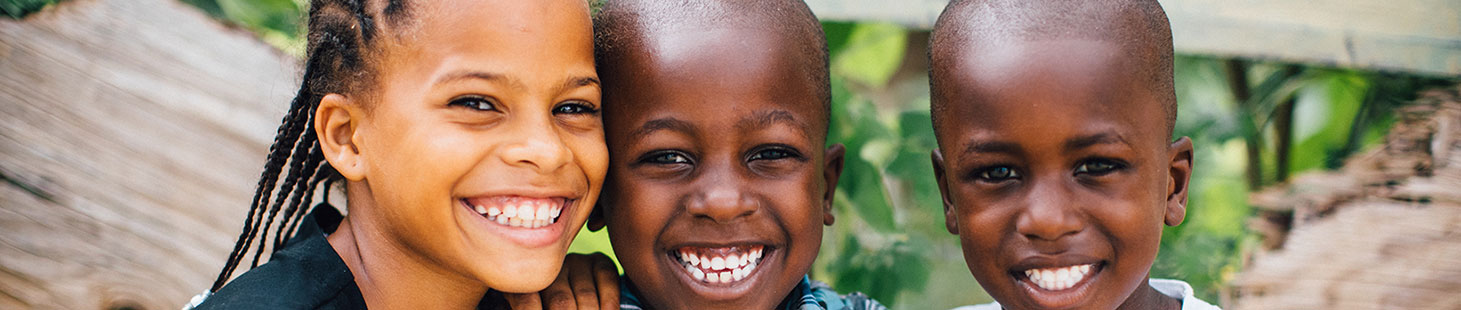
x: 773, y: 154
x: 666, y: 158
x: 473, y: 102
x: 998, y: 174
x: 1097, y: 167
x: 574, y: 107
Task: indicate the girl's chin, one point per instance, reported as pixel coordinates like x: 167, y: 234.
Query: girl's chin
x: 520, y: 278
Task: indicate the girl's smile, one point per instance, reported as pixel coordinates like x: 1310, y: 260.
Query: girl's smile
x: 528, y: 221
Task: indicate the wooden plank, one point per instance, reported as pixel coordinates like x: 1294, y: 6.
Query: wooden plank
x: 1380, y: 234
x: 1417, y: 36
x: 131, y: 135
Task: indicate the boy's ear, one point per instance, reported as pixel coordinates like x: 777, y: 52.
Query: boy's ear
x: 951, y: 222
x: 833, y: 158
x: 1179, y: 177
x: 335, y: 122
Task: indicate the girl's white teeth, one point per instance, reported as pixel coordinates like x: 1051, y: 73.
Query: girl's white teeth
x: 1056, y: 279
x: 520, y: 212
x: 712, y: 266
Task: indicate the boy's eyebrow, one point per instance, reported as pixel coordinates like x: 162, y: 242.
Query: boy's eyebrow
x: 763, y: 119
x: 1093, y: 139
x: 1070, y: 144
x: 666, y: 123
x: 991, y: 147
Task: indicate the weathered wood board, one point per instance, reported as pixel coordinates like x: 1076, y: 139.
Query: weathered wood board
x: 1418, y: 36
x: 1383, y: 233
x: 132, y: 133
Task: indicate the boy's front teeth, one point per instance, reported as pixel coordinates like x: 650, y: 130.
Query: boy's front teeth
x: 720, y: 265
x: 1056, y: 279
x: 519, y: 212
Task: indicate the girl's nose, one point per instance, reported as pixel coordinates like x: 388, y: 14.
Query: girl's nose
x: 536, y: 144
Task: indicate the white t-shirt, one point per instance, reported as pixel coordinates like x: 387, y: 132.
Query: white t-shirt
x: 1174, y: 288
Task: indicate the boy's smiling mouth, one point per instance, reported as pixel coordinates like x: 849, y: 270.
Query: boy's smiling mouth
x: 1052, y: 284
x: 719, y: 265
x: 1059, y: 278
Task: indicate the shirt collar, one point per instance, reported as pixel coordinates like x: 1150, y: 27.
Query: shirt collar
x: 801, y: 297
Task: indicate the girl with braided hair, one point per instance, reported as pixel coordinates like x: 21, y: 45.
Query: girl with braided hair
x: 467, y: 138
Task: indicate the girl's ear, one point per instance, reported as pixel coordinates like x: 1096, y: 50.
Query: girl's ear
x: 1179, y: 177
x: 833, y: 158
x: 335, y: 122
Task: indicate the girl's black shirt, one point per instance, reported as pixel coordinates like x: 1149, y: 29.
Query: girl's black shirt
x: 305, y: 274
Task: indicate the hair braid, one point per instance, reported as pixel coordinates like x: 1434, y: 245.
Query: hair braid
x: 297, y: 210
x: 291, y: 184
x: 340, y: 35
x: 275, y: 162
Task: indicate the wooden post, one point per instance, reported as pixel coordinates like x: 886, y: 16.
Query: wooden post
x: 132, y: 133
x: 1238, y: 83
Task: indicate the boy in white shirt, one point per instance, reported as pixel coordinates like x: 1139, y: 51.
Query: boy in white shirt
x: 1055, y: 160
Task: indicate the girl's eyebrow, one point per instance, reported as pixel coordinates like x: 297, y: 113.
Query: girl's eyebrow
x: 458, y: 76
x: 570, y: 83
x: 581, y: 81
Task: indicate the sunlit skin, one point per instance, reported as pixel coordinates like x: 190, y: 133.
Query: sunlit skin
x: 473, y: 100
x: 718, y: 141
x: 1052, y: 158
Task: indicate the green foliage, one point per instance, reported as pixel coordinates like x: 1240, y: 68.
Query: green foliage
x: 20, y: 8
x: 868, y: 58
x: 279, y: 22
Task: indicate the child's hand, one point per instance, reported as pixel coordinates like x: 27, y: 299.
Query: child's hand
x: 586, y: 281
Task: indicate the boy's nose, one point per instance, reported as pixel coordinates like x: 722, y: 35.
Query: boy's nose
x: 536, y: 145
x: 722, y: 202
x: 1049, y: 214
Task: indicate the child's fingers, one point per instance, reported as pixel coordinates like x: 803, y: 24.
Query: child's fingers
x: 559, y: 295
x: 580, y: 274
x: 527, y: 301
x: 606, y: 275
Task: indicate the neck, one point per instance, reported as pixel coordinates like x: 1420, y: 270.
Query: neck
x: 391, y: 277
x: 1147, y: 297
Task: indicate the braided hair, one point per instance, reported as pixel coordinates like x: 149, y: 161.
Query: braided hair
x: 342, y: 34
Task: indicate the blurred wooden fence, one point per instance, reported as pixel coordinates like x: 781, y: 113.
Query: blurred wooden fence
x: 132, y: 133
x: 1384, y: 232
x: 1416, y: 36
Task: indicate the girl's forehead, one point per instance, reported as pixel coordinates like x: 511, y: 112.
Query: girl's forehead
x: 463, y: 21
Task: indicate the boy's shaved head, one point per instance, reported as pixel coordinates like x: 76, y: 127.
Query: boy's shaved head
x: 622, y: 26
x: 1138, y: 27
x: 1056, y: 160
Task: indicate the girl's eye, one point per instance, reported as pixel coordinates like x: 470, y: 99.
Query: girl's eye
x: 666, y: 158
x: 1097, y: 167
x: 474, y: 103
x: 998, y: 174
x: 574, y: 107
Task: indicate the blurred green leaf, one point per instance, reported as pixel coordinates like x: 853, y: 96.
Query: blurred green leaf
x: 837, y: 34
x: 276, y: 15
x: 20, y: 8
x: 871, y: 54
